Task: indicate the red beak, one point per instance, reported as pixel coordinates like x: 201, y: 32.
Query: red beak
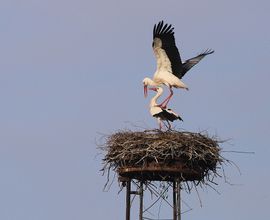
x: 145, y: 91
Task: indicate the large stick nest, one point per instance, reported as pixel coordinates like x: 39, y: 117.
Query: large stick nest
x: 196, y: 151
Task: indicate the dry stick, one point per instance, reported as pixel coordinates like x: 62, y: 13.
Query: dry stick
x: 121, y: 189
x: 232, y: 163
x: 108, y: 179
x: 240, y: 152
x: 207, y: 184
x: 112, y: 181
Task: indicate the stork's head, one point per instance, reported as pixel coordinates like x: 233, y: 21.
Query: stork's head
x: 156, y: 43
x: 147, y: 82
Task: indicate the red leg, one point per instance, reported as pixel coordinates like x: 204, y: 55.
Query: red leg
x: 162, y: 103
x: 169, y: 98
x: 166, y: 101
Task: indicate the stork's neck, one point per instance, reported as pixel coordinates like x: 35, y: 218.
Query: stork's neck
x: 153, y: 101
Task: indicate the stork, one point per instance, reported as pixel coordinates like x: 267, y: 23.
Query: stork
x: 160, y: 113
x: 170, y: 68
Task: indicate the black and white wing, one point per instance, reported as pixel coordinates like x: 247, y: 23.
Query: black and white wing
x: 165, y: 33
x: 188, y: 64
x: 171, y: 115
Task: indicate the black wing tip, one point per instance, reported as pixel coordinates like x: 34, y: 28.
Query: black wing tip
x: 162, y: 28
x: 207, y: 51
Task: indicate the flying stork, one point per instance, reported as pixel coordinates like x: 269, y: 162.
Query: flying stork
x: 170, y: 68
x: 162, y: 114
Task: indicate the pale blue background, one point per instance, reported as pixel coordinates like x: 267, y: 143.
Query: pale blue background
x: 70, y: 70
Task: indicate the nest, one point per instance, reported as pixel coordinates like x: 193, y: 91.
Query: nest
x: 155, y: 155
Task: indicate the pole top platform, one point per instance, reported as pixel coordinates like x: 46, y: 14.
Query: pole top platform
x: 154, y: 171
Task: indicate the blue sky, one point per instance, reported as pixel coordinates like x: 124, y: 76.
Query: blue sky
x: 71, y: 70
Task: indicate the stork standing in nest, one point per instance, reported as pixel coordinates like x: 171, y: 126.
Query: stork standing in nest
x: 162, y: 114
x: 170, y: 68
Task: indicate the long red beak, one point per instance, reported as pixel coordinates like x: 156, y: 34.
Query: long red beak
x: 145, y: 91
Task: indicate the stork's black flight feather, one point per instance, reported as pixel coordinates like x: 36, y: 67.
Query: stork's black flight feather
x: 166, y: 35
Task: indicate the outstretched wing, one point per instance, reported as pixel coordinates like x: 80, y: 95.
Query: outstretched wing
x: 188, y: 64
x: 165, y: 33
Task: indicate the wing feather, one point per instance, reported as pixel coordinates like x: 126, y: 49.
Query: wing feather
x: 154, y: 29
x: 188, y: 64
x: 166, y: 34
x: 160, y: 24
x: 164, y: 28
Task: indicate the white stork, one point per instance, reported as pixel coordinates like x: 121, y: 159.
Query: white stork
x: 170, y: 68
x: 161, y: 114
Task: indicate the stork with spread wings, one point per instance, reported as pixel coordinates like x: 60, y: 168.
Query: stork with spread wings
x: 170, y: 68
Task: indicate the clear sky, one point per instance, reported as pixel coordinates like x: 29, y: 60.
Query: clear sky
x: 71, y: 70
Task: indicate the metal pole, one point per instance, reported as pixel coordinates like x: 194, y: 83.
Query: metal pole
x: 141, y: 200
x: 178, y: 200
x: 128, y: 200
x: 174, y: 201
